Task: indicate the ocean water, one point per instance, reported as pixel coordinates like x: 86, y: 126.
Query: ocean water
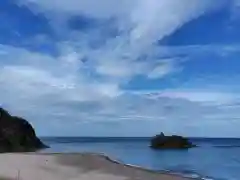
x: 217, y: 159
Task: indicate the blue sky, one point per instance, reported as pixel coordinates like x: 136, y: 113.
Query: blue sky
x: 122, y: 68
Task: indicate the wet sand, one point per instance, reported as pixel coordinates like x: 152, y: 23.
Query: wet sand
x: 72, y: 167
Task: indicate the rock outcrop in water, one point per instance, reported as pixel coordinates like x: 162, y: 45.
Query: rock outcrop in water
x: 170, y: 142
x: 17, y: 135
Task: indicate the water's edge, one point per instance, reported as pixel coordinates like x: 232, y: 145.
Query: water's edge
x: 113, y: 160
x: 122, y: 151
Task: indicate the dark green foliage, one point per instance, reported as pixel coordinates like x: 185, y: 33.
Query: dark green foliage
x: 170, y: 142
x: 17, y: 135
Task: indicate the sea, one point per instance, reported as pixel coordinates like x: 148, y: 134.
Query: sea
x: 213, y: 159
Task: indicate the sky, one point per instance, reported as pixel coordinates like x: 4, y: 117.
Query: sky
x: 122, y: 68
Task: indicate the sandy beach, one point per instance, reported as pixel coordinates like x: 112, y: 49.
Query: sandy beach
x: 71, y: 167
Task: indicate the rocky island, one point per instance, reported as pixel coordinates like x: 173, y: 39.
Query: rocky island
x: 17, y: 135
x: 170, y: 142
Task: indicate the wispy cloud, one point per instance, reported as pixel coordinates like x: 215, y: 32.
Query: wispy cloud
x: 99, y: 47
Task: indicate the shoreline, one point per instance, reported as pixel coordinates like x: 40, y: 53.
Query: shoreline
x: 112, y: 160
x: 118, y: 162
x: 81, y: 166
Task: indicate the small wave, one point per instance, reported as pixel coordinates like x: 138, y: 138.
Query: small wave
x: 191, y: 175
x: 186, y: 174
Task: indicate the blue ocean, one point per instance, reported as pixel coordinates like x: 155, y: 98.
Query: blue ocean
x: 217, y: 159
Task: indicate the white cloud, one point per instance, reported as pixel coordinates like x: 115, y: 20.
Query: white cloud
x: 91, y: 8
x: 52, y: 76
x: 155, y: 19
x: 83, y: 83
x: 141, y: 23
x: 164, y: 68
x: 41, y: 92
x: 206, y: 96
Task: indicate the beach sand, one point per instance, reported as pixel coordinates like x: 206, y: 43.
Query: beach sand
x: 33, y: 166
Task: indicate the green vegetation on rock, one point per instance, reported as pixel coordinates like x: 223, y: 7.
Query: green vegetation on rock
x: 17, y: 135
